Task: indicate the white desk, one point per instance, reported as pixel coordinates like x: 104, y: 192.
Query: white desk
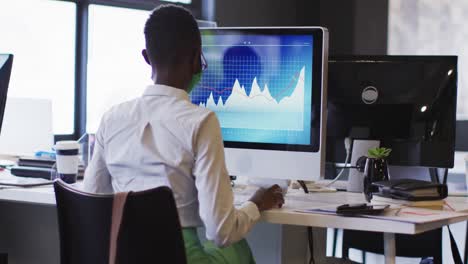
x: 43, y: 195
x: 288, y: 216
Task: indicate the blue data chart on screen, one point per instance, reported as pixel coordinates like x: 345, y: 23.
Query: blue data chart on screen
x: 259, y: 86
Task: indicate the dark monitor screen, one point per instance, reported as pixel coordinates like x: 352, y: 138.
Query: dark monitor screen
x: 406, y: 102
x: 6, y: 62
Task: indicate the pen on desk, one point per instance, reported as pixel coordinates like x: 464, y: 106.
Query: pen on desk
x: 398, y: 211
x: 304, y: 186
x: 449, y: 206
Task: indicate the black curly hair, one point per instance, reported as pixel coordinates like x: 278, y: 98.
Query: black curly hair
x: 172, y: 35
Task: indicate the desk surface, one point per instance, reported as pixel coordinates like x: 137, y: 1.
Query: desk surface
x: 38, y: 195
x: 288, y: 214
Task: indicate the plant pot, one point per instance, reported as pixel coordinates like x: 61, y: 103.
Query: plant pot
x: 374, y: 171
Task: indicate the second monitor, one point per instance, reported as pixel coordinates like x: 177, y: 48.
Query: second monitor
x: 6, y: 62
x: 267, y: 87
x: 408, y: 103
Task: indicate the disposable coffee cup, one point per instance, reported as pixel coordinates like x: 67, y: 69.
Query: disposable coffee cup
x: 67, y: 155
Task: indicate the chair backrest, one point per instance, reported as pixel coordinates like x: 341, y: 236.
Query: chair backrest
x: 150, y: 230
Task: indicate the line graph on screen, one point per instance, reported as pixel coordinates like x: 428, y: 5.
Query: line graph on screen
x: 256, y: 107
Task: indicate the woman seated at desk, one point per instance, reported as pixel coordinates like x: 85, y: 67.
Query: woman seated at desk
x: 161, y: 139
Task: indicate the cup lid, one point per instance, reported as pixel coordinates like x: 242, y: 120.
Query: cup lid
x: 66, y: 144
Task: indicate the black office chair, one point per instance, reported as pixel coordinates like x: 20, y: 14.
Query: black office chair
x: 150, y: 230
x: 428, y: 244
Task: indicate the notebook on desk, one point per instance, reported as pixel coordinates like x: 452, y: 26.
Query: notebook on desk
x: 7, y: 179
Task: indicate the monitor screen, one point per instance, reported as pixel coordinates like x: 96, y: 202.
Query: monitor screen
x: 6, y: 61
x: 260, y: 85
x: 408, y: 103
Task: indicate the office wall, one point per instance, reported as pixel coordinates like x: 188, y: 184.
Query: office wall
x: 356, y: 26
x: 370, y: 26
x: 266, y: 12
x: 433, y: 28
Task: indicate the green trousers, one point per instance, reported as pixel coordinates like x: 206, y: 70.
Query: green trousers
x: 208, y: 253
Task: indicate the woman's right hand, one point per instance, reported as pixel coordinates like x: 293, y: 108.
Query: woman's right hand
x: 266, y: 199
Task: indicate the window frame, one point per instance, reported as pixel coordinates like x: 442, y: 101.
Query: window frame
x: 202, y: 9
x: 81, y: 49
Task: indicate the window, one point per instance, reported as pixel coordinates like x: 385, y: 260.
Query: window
x: 117, y: 71
x: 420, y: 27
x: 41, y: 35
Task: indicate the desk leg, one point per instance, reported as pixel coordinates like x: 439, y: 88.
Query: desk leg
x: 390, y: 248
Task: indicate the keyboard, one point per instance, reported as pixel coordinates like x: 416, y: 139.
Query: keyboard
x: 339, y: 185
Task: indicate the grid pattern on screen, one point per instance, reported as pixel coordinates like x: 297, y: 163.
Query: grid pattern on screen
x: 280, y: 76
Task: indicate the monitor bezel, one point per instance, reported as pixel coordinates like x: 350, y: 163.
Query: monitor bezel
x: 4, y: 83
x: 318, y: 65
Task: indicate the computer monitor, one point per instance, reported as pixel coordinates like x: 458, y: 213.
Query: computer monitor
x: 6, y: 62
x: 408, y: 103
x: 267, y: 88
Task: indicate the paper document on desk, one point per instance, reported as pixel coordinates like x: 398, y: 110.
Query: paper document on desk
x: 417, y: 215
x: 399, y: 214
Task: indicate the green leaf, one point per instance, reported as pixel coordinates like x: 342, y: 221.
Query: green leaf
x: 379, y: 153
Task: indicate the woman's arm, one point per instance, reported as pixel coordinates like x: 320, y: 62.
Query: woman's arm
x: 224, y: 223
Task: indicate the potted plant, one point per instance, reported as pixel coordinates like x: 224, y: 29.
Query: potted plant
x: 376, y: 169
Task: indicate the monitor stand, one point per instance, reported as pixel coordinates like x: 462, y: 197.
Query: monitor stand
x: 356, y: 178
